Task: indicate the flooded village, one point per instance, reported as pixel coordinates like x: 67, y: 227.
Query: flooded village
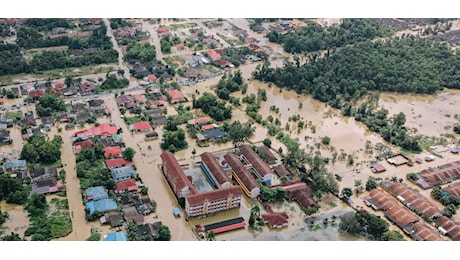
x: 145, y: 161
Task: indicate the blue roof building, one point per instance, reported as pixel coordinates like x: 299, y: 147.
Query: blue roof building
x: 15, y: 165
x: 102, y: 205
x: 96, y: 193
x: 122, y: 173
x: 116, y: 236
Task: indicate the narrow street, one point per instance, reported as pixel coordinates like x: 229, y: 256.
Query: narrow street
x: 121, y: 65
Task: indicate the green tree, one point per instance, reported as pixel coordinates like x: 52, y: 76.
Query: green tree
x: 165, y: 234
x: 371, y: 183
x: 12, y: 237
x: 240, y: 132
x: 128, y: 154
x: 210, y: 236
x: 392, y: 235
x: 131, y: 230
x: 267, y: 142
x: 347, y: 192
x: 325, y: 140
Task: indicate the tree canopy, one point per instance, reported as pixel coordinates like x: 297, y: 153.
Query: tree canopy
x: 315, y: 37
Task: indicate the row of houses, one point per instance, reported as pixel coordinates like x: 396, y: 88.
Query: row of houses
x: 443, y: 174
x: 43, y: 180
x: 123, y: 204
x: 412, y: 199
x: 401, y: 216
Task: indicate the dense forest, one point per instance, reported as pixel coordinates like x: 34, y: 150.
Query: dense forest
x: 314, y: 37
x: 400, y: 65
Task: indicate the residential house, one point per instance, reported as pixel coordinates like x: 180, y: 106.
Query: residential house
x: 276, y: 219
x: 112, y: 151
x: 151, y: 135
x: 242, y: 176
x: 79, y: 107
x: 16, y: 165
x: 122, y: 100
x: 240, y: 33
x: 130, y: 214
x: 159, y: 119
x: 44, y: 171
x: 151, y: 230
x: 104, y: 129
x: 36, y: 93
x: 443, y: 174
x: 80, y: 145
x: 115, y: 163
x: 45, y: 185
x: 126, y: 185
x: 86, y: 88
x: 214, y: 55
x: 113, y: 218
x: 96, y: 193
x: 180, y: 46
x: 48, y: 120
x: 281, y: 170
x: 195, y: 61
x: 453, y: 189
x: 302, y: 194
x: 448, y: 227
x: 224, y: 64
x: 142, y: 126
x: 175, y: 96
x: 122, y: 173
x: 82, y: 116
x: 102, y: 205
x: 96, y: 104
x: 412, y: 199
x: 210, y: 135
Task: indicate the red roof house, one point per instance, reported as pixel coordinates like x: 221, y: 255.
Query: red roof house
x: 139, y: 97
x: 102, y: 130
x: 126, y: 185
x: 2, y: 101
x: 180, y: 46
x: 78, y: 146
x: 37, y: 93
x: 176, y: 96
x: 249, y: 39
x: 162, y: 30
x: 86, y: 87
x: 115, y: 163
x: 276, y: 219
x: 152, y: 78
x: 142, y: 126
x: 214, y: 55
x: 112, y: 151
x: 207, y: 127
x: 200, y: 120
